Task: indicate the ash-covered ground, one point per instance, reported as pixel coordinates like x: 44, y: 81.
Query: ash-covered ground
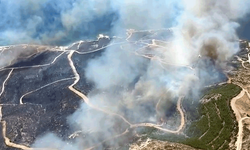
x: 36, y: 99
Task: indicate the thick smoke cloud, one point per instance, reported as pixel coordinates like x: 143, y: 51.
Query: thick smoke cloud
x: 53, y: 22
x: 209, y: 27
x: 61, y: 22
x: 127, y: 84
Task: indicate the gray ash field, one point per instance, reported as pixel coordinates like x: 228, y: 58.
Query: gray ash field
x: 35, y: 97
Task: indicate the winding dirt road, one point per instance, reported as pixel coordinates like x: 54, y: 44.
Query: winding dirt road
x: 87, y: 101
x: 233, y: 101
x: 240, y: 133
x: 6, y: 139
x: 237, y: 113
x: 238, y: 117
x: 66, y: 79
x: 85, y: 98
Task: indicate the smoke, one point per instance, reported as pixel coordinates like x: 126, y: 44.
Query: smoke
x: 125, y: 83
x: 53, y: 22
x: 51, y: 141
x: 56, y: 22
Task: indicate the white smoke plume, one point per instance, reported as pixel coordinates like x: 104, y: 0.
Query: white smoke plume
x: 52, y: 22
x: 128, y: 84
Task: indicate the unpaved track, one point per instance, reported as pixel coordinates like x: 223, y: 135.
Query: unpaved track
x: 239, y: 118
x: 233, y: 101
x: 86, y: 100
x: 237, y: 113
x: 240, y: 133
x: 35, y: 66
x: 61, y: 80
x: 6, y: 139
x: 238, y: 143
x: 4, y: 128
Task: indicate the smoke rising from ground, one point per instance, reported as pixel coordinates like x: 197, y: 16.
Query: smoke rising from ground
x: 52, y: 22
x: 61, y: 22
x: 125, y: 83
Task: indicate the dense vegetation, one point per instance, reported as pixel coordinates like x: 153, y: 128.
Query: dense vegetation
x: 214, y: 125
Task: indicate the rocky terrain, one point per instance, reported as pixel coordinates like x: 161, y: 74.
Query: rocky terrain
x: 159, y: 145
x: 240, y: 104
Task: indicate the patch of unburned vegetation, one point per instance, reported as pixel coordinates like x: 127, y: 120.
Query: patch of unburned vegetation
x: 217, y: 122
x: 214, y: 123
